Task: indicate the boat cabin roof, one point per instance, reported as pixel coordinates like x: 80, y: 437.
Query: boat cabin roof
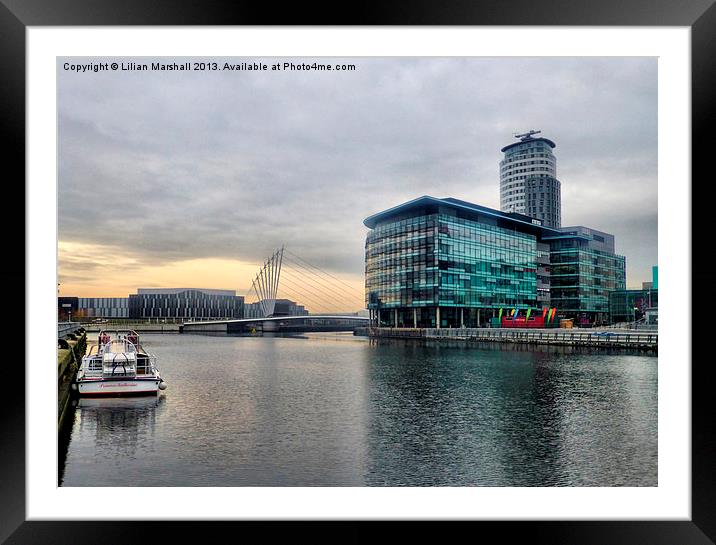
x: 119, y: 357
x: 115, y: 347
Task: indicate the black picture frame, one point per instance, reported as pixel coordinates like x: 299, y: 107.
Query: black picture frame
x: 699, y: 15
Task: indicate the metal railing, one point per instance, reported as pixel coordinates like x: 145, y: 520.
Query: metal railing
x: 145, y: 364
x: 101, y: 322
x: 63, y: 328
x: 560, y: 337
x: 93, y: 367
x: 633, y: 326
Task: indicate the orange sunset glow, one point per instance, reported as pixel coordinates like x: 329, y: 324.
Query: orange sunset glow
x: 90, y: 270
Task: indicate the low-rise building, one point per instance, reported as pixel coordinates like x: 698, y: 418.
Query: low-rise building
x: 282, y: 307
x: 67, y: 308
x: 187, y: 303
x: 103, y: 307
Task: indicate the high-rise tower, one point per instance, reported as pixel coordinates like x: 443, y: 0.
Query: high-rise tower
x: 528, y: 179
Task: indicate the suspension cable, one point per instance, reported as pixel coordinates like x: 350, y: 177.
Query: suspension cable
x: 345, y: 298
x: 324, y: 272
x: 310, y: 300
x: 316, y: 295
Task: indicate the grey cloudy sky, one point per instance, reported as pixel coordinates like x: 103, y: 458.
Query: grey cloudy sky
x: 165, y: 167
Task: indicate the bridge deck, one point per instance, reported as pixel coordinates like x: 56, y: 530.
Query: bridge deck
x: 357, y: 319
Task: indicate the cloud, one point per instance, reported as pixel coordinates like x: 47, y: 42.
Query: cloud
x: 230, y: 165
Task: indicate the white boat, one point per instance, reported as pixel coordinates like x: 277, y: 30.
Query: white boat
x: 118, y: 365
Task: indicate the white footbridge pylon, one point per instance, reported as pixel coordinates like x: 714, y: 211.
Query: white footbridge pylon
x: 266, y: 282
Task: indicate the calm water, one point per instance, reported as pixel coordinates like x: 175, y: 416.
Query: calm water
x: 338, y: 410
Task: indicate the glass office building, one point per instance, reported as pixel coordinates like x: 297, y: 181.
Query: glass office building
x: 632, y: 305
x: 447, y: 263
x: 584, y: 270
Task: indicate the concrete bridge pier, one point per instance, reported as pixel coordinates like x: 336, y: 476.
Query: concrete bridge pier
x: 269, y: 326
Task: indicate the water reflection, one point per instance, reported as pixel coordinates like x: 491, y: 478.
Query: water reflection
x: 334, y: 410
x: 115, y: 432
x: 136, y: 417
x: 456, y: 416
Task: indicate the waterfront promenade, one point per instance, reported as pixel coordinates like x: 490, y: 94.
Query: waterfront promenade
x: 141, y: 327
x: 639, y: 340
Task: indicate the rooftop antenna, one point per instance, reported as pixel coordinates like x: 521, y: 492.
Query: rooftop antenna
x: 526, y: 135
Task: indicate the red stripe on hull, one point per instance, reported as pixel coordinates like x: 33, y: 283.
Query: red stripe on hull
x: 118, y: 394
x: 117, y: 379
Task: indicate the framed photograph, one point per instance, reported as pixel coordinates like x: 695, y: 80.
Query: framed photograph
x: 403, y: 267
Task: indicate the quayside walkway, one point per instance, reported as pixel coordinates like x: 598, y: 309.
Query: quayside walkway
x: 645, y: 341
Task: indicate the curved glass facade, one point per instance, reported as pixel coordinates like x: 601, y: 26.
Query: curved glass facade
x: 459, y: 265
